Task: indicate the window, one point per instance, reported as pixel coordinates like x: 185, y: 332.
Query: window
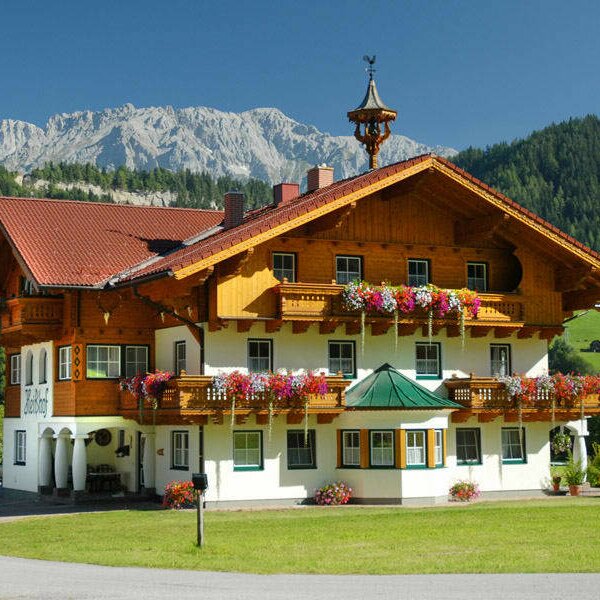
x: 247, y: 450
x: 180, y: 450
x: 415, y: 449
x: 180, y: 358
x: 43, y: 366
x: 27, y: 287
x: 382, y: 448
x: 20, y: 447
x: 428, y: 363
x: 301, y: 450
x: 64, y: 363
x: 513, y: 445
x: 103, y: 362
x: 500, y: 360
x: 260, y: 355
x: 341, y: 359
x: 348, y: 269
x: 29, y: 368
x: 284, y: 266
x: 136, y: 360
x: 468, y: 446
x: 418, y: 272
x: 351, y: 448
x: 15, y: 369
x: 438, y: 448
x: 477, y: 276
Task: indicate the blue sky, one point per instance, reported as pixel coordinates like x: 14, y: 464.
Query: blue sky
x: 459, y: 72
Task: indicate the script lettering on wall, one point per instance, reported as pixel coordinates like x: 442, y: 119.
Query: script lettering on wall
x: 36, y: 402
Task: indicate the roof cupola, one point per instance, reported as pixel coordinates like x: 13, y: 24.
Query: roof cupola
x: 370, y: 116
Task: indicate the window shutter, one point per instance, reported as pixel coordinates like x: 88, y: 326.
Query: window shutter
x: 364, y: 448
x: 444, y: 442
x: 431, y: 448
x: 400, y: 443
x: 339, y: 448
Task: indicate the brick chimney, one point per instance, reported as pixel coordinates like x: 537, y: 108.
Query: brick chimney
x: 234, y: 209
x: 319, y: 177
x: 284, y: 192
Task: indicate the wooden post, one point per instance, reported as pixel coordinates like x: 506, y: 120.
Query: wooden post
x: 200, y: 522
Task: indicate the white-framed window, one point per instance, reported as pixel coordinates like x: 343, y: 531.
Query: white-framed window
x: 43, y: 366
x: 64, y: 363
x: 15, y: 369
x: 418, y: 272
x: 260, y: 355
x: 351, y: 448
x: 301, y: 452
x: 103, y: 362
x: 500, y: 360
x: 284, y: 266
x: 439, y: 448
x: 513, y: 445
x: 468, y: 446
x: 29, y: 368
x: 382, y: 448
x: 416, y: 450
x: 136, y: 360
x: 247, y: 450
x: 180, y: 450
x: 348, y: 269
x: 20, y: 447
x: 477, y: 278
x: 180, y: 357
x: 341, y: 358
x: 428, y: 363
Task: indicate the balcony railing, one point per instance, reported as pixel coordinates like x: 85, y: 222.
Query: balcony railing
x: 33, y: 317
x: 195, y: 393
x: 489, y: 394
x: 316, y: 301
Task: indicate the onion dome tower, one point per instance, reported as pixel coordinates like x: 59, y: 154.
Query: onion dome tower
x: 370, y: 116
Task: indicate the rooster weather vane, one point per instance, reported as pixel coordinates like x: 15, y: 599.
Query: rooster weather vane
x: 370, y: 116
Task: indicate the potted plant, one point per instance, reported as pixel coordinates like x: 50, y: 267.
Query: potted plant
x: 574, y: 475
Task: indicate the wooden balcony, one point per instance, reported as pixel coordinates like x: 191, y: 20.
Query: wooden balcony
x: 323, y: 302
x: 30, y: 319
x: 193, y: 399
x: 487, y: 398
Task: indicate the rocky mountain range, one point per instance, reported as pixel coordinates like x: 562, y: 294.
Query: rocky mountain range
x: 262, y: 143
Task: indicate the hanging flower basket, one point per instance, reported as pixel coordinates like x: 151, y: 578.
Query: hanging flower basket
x: 561, y: 443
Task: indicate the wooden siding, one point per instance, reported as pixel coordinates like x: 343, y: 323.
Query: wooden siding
x: 12, y: 401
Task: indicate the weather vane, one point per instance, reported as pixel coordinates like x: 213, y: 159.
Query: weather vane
x: 370, y: 69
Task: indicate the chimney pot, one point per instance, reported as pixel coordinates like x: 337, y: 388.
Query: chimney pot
x: 318, y: 177
x: 284, y: 192
x: 234, y: 209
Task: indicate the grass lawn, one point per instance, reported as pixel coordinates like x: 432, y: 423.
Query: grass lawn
x: 499, y: 537
x: 581, y: 332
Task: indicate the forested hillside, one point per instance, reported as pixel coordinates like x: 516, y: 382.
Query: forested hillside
x: 554, y: 172
x: 191, y: 190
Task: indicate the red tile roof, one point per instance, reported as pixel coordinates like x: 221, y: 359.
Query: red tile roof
x: 65, y: 242
x: 82, y: 243
x: 271, y: 216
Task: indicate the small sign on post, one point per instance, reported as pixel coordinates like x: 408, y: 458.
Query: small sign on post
x: 200, y: 482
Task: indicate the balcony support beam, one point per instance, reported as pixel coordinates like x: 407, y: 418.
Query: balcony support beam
x: 503, y: 332
x: 479, y: 331
x: 301, y: 326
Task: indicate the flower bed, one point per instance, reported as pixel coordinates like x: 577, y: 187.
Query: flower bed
x: 464, y: 491
x: 333, y: 494
x: 179, y: 494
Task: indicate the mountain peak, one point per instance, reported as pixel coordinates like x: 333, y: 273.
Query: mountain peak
x: 264, y: 143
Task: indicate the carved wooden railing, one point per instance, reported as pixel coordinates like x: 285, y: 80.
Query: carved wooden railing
x: 315, y: 301
x: 31, y: 310
x: 196, y: 393
x: 488, y: 393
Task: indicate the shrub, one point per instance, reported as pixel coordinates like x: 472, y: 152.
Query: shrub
x: 573, y: 472
x: 179, y: 494
x: 464, y: 491
x: 333, y: 493
x: 593, y: 470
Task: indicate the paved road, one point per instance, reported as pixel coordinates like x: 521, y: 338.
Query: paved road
x: 21, y: 578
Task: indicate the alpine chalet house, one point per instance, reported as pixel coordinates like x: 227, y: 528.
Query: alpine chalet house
x: 390, y: 310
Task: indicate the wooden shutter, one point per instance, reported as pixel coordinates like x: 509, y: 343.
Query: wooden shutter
x: 400, y: 443
x: 364, y: 449
x: 431, y: 448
